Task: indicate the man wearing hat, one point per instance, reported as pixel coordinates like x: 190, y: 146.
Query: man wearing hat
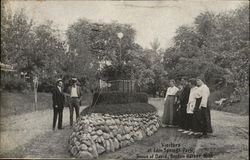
x: 75, y: 95
x: 58, y: 103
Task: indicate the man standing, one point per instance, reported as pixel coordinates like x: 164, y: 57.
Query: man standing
x: 183, y: 100
x: 75, y: 95
x: 58, y: 104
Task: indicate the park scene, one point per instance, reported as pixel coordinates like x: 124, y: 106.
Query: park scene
x: 124, y: 79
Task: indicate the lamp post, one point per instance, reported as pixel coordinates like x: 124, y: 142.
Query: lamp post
x: 120, y: 35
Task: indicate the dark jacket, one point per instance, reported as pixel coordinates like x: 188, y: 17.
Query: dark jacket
x: 184, y: 95
x: 58, y: 97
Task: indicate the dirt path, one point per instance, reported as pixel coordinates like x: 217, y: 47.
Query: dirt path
x: 30, y: 136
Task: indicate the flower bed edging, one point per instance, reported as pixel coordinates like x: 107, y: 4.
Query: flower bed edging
x: 97, y: 133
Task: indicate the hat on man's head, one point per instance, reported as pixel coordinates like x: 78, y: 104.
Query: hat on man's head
x: 74, y: 79
x: 58, y: 80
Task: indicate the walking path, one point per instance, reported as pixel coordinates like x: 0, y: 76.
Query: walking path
x: 30, y: 136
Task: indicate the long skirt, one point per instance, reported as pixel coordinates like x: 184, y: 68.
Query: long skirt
x: 183, y: 117
x: 168, y: 114
x: 176, y: 116
x: 202, y: 118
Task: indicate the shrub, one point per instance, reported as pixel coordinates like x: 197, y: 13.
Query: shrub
x: 15, y: 84
x: 119, y: 98
x: 44, y: 87
x: 119, y: 109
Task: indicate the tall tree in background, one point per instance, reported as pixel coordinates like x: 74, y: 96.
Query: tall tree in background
x: 49, y: 51
x: 100, y: 44
x: 215, y: 46
x: 18, y: 42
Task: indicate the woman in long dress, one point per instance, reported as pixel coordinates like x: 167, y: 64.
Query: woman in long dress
x: 168, y: 114
x: 202, y: 118
x: 191, y: 106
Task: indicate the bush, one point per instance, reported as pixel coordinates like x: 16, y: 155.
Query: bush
x: 119, y: 98
x: 15, y: 84
x: 44, y: 87
x: 119, y: 109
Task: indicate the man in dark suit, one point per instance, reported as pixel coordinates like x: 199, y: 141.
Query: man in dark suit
x: 75, y: 94
x: 58, y: 104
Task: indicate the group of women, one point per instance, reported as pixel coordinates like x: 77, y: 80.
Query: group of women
x: 187, y: 107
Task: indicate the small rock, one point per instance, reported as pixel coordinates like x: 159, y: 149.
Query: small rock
x: 120, y: 130
x: 117, y: 121
x: 107, y: 146
x: 99, y: 132
x: 116, y: 143
x: 100, y: 149
x: 87, y: 142
x: 112, y: 147
x: 139, y: 135
x: 90, y: 149
x: 83, y: 147
x: 73, y: 151
x: 106, y: 136
x: 111, y: 135
x: 127, y: 129
x: 115, y: 131
x: 119, y: 137
x: 127, y: 136
x: 85, y: 155
x: 108, y: 122
x: 94, y: 152
x: 94, y: 137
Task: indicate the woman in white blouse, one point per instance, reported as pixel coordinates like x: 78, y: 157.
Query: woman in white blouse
x: 167, y: 118
x: 202, y: 118
x: 191, y: 104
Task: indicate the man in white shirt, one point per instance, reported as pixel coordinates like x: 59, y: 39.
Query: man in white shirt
x: 74, y: 92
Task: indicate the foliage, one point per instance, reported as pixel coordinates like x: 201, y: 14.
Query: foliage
x: 120, y: 109
x: 119, y: 98
x: 216, y: 46
x: 15, y: 84
x: 35, y: 50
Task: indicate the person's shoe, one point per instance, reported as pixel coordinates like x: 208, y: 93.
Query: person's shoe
x: 190, y: 133
x: 197, y: 133
x: 185, y: 132
x: 53, y: 129
x: 61, y: 128
x: 163, y: 125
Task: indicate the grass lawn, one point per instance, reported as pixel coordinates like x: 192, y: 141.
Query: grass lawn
x: 15, y: 103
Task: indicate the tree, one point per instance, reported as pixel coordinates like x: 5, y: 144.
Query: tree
x: 49, y: 52
x: 98, y: 42
x: 215, y: 46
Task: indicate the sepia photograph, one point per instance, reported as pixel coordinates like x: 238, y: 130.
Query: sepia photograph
x: 124, y: 79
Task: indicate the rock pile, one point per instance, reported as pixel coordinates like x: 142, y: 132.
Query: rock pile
x: 97, y: 133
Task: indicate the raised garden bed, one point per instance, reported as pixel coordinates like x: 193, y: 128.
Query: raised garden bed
x: 106, y: 127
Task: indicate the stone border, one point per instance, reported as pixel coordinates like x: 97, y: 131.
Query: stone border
x: 97, y: 133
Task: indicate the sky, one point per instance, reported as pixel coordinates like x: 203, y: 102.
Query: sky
x: 150, y: 19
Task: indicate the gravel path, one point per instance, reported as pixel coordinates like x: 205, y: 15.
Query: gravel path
x: 30, y: 136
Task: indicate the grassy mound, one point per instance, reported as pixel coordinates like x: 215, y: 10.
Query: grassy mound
x: 119, y: 109
x: 119, y: 98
